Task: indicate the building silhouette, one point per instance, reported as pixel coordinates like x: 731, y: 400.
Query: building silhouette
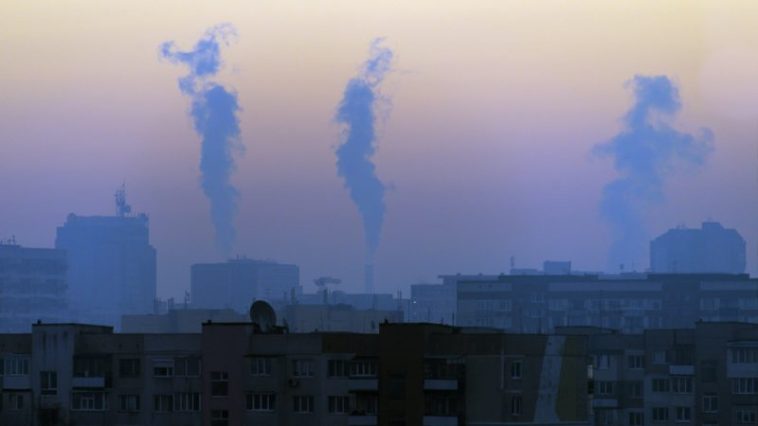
x: 32, y: 286
x: 235, y: 283
x: 710, y: 249
x: 112, y: 266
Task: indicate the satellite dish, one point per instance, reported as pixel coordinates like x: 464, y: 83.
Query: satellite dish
x: 263, y: 315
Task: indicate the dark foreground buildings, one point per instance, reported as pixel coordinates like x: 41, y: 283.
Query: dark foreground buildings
x: 407, y: 374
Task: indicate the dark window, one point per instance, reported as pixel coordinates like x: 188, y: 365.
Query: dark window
x: 187, y: 366
x: 660, y: 414
x: 48, y: 382
x: 516, y: 403
x: 261, y: 401
x: 339, y: 404
x: 163, y: 403
x: 129, y: 367
x: 338, y: 368
x: 302, y: 404
x: 260, y: 366
x: 219, y: 383
x: 128, y: 403
x: 219, y: 418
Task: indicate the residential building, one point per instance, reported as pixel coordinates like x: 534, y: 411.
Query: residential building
x: 710, y: 249
x: 32, y: 286
x: 630, y: 303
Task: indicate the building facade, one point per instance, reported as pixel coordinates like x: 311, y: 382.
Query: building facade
x: 236, y: 283
x: 112, y: 266
x: 32, y: 287
x: 630, y: 302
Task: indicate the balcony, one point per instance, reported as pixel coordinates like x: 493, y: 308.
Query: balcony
x: 441, y: 384
x: 361, y: 420
x: 363, y: 384
x: 440, y: 421
x: 88, y: 382
x: 17, y: 382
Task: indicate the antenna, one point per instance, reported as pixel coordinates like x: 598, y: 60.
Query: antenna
x: 262, y: 316
x: 122, y: 207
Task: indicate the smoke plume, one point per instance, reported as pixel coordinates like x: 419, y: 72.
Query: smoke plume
x: 214, y: 113
x: 645, y: 153
x: 354, y: 164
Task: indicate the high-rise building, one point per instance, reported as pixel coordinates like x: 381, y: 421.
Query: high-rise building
x: 234, y: 284
x: 711, y: 249
x: 112, y: 266
x: 32, y: 286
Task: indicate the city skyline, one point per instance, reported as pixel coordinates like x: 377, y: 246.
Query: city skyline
x: 487, y: 155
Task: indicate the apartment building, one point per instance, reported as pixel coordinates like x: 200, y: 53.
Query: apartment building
x: 706, y: 375
x: 629, y: 302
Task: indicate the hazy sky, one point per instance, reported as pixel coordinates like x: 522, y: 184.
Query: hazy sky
x: 495, y: 108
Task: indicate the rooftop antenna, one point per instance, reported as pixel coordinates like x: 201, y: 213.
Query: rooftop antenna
x: 122, y: 207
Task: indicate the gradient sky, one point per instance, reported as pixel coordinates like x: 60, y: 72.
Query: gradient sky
x: 487, y: 145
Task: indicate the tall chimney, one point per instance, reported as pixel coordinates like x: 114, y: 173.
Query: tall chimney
x: 368, y: 278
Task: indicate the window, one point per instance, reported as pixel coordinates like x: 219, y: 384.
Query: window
x: 660, y: 414
x: 660, y: 385
x: 260, y: 366
x: 659, y: 357
x: 302, y: 404
x: 681, y: 384
x: 745, y: 416
x: 338, y: 368
x: 745, y: 355
x: 261, y: 401
x: 516, y: 369
x: 635, y: 389
x: 745, y: 385
x: 363, y: 368
x: 710, y: 403
x: 128, y: 403
x: 219, y: 383
x: 129, y: 367
x: 636, y: 418
x: 683, y: 414
x: 602, y: 362
x: 604, y: 388
x: 187, y: 366
x: 635, y: 361
x: 88, y: 401
x: 16, y: 401
x: 163, y: 368
x: 48, y: 382
x: 339, y: 404
x: 187, y: 401
x: 91, y: 366
x: 302, y: 368
x: 16, y: 366
x: 516, y: 403
x: 219, y: 418
x: 163, y: 403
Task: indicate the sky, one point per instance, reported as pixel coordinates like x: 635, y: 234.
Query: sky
x: 485, y: 144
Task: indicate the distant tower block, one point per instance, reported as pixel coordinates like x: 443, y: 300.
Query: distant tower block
x: 368, y: 278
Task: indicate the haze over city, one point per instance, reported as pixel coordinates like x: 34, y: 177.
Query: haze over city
x: 487, y: 129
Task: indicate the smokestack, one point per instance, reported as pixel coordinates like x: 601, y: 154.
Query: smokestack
x: 214, y: 114
x: 354, y: 154
x: 645, y: 153
x: 368, y: 278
